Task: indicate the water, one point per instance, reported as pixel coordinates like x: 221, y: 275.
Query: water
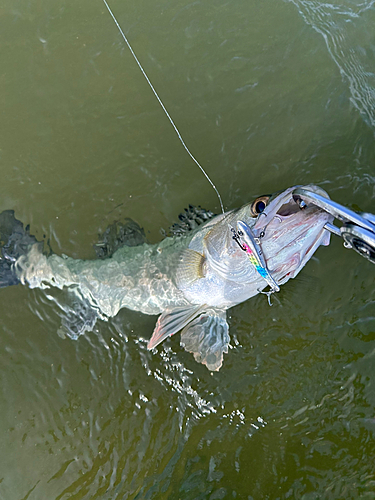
x: 266, y: 96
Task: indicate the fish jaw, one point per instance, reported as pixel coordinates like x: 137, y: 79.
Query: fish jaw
x: 284, y: 267
x: 291, y: 235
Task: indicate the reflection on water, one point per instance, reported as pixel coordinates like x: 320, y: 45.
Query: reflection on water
x: 263, y: 105
x: 350, y: 42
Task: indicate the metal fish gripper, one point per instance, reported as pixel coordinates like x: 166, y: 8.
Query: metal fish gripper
x: 357, y: 229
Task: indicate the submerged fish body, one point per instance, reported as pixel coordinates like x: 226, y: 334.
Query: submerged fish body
x: 191, y: 279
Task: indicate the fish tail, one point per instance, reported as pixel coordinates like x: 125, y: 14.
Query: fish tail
x: 15, y: 241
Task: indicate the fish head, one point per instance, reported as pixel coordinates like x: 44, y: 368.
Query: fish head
x: 290, y: 232
x: 287, y: 233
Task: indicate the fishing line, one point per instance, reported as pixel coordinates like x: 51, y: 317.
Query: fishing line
x: 162, y: 105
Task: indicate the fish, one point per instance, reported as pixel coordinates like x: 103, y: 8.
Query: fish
x: 190, y: 279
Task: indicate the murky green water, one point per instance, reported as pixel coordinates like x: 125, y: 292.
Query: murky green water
x: 267, y: 95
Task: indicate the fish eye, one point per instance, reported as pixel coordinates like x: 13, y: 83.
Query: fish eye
x: 259, y: 205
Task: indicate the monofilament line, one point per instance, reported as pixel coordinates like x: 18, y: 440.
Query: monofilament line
x: 162, y: 105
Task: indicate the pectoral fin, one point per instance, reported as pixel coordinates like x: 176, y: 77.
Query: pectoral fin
x: 207, y: 338
x: 171, y: 321
x: 190, y: 268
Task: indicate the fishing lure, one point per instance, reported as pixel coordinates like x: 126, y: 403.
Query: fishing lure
x: 247, y: 242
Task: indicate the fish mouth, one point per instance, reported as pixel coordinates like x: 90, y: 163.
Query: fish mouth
x: 290, y: 232
x: 285, y: 204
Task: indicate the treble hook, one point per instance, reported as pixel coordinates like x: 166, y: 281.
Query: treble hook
x: 269, y: 293
x: 262, y: 234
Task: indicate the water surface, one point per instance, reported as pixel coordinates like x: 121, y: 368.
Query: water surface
x: 267, y: 95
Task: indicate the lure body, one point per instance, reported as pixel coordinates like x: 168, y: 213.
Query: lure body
x: 255, y: 254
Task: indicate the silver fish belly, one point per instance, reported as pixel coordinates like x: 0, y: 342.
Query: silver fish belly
x: 194, y: 278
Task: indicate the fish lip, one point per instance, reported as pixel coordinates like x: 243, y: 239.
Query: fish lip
x: 284, y: 205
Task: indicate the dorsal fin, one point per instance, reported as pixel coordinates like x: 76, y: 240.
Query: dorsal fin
x: 118, y: 234
x: 190, y: 268
x: 189, y: 220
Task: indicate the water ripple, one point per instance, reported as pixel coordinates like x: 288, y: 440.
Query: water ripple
x: 343, y: 26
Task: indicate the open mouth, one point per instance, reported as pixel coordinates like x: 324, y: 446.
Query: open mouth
x: 298, y: 232
x: 289, y: 208
x: 289, y: 231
